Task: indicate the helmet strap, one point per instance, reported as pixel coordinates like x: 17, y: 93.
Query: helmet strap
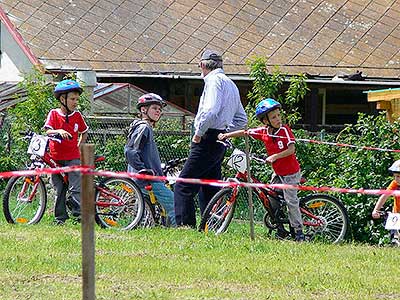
x: 66, y: 107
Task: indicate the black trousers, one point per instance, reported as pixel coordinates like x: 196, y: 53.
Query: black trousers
x: 204, y: 162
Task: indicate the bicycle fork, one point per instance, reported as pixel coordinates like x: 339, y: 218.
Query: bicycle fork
x: 27, y: 182
x: 153, y: 200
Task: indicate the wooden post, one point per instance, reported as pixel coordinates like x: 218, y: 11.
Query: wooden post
x: 249, y: 190
x: 87, y: 221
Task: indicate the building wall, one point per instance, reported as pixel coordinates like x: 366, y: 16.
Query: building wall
x: 13, y: 61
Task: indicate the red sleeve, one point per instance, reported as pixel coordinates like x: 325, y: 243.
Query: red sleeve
x: 290, y: 136
x: 49, y: 120
x: 82, y: 124
x: 257, y: 133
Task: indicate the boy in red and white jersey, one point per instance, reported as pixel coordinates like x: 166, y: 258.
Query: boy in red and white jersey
x: 279, y: 144
x: 69, y: 123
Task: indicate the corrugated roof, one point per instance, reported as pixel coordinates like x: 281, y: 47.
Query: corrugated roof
x: 11, y: 94
x: 111, y: 98
x: 320, y: 37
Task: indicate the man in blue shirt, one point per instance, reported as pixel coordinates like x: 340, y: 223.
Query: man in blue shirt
x: 220, y: 110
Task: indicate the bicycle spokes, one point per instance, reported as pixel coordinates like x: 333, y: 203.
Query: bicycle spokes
x: 119, y: 203
x: 218, y: 213
x: 24, y: 200
x: 325, y: 218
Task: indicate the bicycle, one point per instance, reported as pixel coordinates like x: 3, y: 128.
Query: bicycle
x: 118, y: 201
x: 392, y: 224
x: 155, y: 214
x: 324, y: 216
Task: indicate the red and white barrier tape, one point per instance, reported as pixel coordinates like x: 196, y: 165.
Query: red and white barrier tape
x: 348, y: 145
x: 43, y: 171
x: 213, y: 182
x: 333, y: 143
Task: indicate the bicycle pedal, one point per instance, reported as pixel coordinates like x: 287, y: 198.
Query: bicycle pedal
x: 111, y: 222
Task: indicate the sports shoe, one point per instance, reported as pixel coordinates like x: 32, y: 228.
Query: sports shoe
x: 59, y: 222
x: 395, y: 242
x: 282, y: 234
x: 299, y: 236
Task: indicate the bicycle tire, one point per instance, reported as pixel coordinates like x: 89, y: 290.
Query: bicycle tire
x: 219, y: 213
x: 149, y: 216
x: 125, y: 216
x: 332, y: 213
x: 17, y: 207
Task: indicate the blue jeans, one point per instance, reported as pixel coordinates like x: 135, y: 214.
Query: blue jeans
x: 165, y: 197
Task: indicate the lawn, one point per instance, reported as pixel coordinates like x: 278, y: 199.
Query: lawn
x: 44, y: 262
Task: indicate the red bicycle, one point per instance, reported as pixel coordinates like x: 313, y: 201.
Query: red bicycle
x: 118, y: 201
x: 324, y: 216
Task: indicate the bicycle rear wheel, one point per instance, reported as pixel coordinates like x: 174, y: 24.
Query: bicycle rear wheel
x: 325, y: 218
x: 24, y: 200
x: 119, y: 204
x: 219, y: 212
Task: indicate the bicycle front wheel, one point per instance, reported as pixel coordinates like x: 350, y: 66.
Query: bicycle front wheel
x: 219, y: 212
x: 325, y: 218
x: 119, y: 204
x: 149, y: 216
x: 24, y: 200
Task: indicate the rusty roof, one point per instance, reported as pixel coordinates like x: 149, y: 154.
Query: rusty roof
x: 318, y: 37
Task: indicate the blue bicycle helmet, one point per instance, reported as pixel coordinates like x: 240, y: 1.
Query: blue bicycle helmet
x: 66, y: 86
x: 265, y: 106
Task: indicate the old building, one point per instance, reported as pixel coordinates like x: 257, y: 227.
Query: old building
x: 344, y: 46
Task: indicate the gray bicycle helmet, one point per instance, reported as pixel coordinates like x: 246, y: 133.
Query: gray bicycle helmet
x: 148, y: 99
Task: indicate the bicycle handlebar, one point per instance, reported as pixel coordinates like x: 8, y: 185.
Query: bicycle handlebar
x: 228, y: 144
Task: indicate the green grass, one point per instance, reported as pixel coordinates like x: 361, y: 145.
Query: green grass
x: 44, y: 262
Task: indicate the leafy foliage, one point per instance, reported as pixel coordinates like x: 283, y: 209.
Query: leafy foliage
x: 326, y: 165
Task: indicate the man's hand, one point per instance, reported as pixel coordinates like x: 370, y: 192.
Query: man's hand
x: 196, y: 139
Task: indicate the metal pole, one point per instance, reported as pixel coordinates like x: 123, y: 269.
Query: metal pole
x: 87, y: 221
x: 249, y: 190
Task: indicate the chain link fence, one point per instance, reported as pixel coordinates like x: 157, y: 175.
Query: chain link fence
x: 109, y: 134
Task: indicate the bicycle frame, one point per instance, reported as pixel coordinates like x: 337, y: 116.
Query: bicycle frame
x: 273, y: 194
x: 48, y: 160
x: 238, y: 162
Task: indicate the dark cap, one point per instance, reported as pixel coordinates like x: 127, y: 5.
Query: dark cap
x: 211, y: 54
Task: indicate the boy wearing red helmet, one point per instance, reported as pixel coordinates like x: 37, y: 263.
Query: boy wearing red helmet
x: 279, y: 143
x: 141, y: 150
x: 70, y: 125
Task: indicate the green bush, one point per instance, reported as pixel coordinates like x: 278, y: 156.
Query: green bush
x: 325, y: 165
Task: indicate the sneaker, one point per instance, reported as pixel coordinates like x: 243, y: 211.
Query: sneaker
x: 282, y: 234
x: 59, y: 222
x: 395, y: 242
x: 299, y: 236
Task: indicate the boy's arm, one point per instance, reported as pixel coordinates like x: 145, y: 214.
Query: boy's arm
x: 133, y: 150
x: 82, y: 138
x: 224, y: 136
x: 289, y: 151
x: 381, y: 201
x: 64, y: 134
